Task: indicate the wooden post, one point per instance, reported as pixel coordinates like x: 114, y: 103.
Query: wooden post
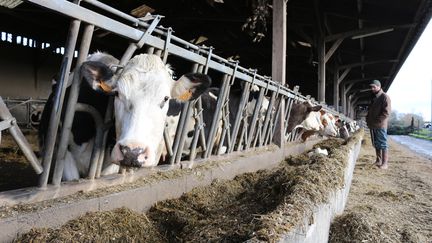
x: 279, y: 59
x: 321, y: 69
x: 336, y: 89
x: 343, y: 98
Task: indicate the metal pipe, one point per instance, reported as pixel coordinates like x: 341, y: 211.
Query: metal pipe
x: 199, y: 124
x: 275, y: 120
x: 239, y: 115
x: 215, y: 121
x: 257, y: 108
x: 288, y: 114
x: 58, y: 102
x: 19, y: 137
x: 177, y: 136
x: 183, y: 129
x: 198, y: 128
x: 70, y: 106
x: 167, y: 45
x: 268, y: 115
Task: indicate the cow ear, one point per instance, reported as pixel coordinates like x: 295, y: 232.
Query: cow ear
x: 190, y: 86
x: 314, y: 108
x: 98, y: 76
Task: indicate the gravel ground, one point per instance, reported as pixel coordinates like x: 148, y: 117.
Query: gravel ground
x: 393, y: 205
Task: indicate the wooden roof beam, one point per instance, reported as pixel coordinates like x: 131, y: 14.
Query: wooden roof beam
x: 358, y: 64
x: 360, y: 33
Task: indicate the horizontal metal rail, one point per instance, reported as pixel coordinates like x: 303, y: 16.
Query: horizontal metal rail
x: 134, y: 34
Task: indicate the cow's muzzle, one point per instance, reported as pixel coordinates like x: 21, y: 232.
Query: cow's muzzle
x: 134, y: 157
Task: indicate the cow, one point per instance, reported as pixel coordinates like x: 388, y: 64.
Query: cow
x: 142, y: 93
x: 342, y: 128
x: 318, y: 122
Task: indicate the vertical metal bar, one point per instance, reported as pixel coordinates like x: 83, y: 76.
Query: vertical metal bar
x: 251, y: 131
x: 243, y: 135
x: 226, y: 131
x: 19, y: 137
x: 167, y: 140
x: 239, y: 115
x: 189, y: 107
x: 215, y: 121
x: 158, y: 52
x: 70, y: 107
x: 268, y: 115
x: 288, y: 113
x: 183, y: 131
x: 198, y: 128
x: 272, y: 129
x: 177, y: 136
x: 150, y: 50
x: 258, y: 133
x: 167, y: 45
x: 58, y: 101
x: 199, y: 124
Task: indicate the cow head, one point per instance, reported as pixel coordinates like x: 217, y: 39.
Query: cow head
x: 301, y: 112
x: 329, y: 124
x: 142, y: 93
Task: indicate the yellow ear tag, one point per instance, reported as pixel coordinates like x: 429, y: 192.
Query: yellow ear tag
x: 186, y: 95
x: 106, y: 88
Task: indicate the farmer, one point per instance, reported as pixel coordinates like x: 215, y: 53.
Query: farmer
x: 377, y: 120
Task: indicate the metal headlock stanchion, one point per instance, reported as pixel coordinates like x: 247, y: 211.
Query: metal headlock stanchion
x: 244, y: 128
x: 268, y: 118
x: 199, y: 133
x: 70, y: 109
x: 9, y: 122
x: 226, y: 126
x: 255, y: 114
x: 188, y: 106
x: 214, y: 125
x: 268, y: 137
x: 58, y: 101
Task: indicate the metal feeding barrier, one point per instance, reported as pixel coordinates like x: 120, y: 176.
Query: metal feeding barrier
x: 247, y: 130
x: 7, y: 121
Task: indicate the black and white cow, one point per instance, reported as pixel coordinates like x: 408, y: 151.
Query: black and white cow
x: 142, y: 92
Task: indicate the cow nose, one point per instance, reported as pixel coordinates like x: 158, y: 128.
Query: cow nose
x: 134, y: 157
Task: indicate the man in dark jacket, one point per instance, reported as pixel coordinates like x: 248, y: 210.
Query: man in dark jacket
x: 377, y: 120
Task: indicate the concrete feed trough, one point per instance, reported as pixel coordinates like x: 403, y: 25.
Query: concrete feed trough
x: 158, y: 186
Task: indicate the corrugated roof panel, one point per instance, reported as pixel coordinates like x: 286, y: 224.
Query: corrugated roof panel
x: 10, y: 3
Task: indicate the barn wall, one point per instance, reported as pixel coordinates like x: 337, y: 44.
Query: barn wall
x: 26, y: 72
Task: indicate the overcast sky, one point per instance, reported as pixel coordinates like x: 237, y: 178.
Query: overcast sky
x: 410, y: 91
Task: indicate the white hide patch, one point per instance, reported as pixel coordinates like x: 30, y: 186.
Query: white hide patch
x: 312, y: 122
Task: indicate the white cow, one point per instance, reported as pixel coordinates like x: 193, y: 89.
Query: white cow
x: 142, y: 91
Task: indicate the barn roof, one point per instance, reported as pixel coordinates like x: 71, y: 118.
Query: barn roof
x: 373, y: 38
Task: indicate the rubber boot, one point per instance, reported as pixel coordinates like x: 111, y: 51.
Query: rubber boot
x: 378, y: 160
x: 384, y: 164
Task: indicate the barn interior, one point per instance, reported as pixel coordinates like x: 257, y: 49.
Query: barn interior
x: 362, y: 39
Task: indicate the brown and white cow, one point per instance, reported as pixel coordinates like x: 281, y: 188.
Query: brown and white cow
x: 318, y: 122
